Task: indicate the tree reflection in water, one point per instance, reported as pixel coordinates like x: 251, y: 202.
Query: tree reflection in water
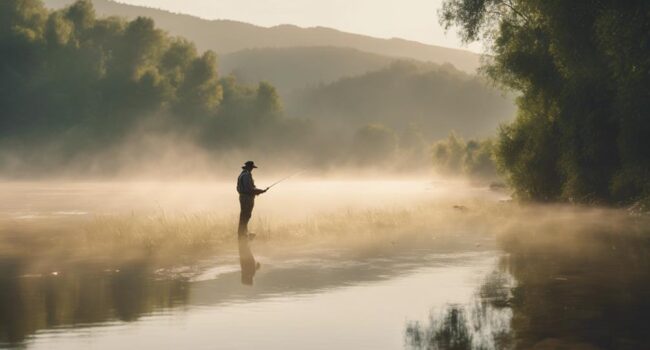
x: 451, y: 332
x: 81, y: 296
x: 483, y: 324
x: 571, y: 288
x: 582, y: 289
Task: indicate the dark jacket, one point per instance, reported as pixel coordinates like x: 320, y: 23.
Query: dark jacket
x: 246, y: 184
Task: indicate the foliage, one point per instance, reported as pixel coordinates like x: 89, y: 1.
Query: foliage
x: 79, y: 84
x: 81, y: 93
x: 583, y: 71
x: 438, y: 98
x: 454, y: 156
x: 287, y: 53
x: 373, y: 144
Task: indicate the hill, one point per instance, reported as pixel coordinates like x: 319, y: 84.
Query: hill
x: 295, y: 68
x: 434, y: 98
x: 225, y: 36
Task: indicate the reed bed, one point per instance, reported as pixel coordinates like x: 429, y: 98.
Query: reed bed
x: 183, y: 238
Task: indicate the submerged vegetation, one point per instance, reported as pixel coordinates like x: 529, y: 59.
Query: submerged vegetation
x: 583, y: 72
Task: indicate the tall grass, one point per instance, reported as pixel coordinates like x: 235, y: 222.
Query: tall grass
x: 182, y: 238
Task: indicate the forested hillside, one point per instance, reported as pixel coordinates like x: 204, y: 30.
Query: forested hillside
x: 73, y: 85
x: 437, y: 99
x: 293, y: 68
x: 306, y: 64
x: 91, y: 94
x: 224, y: 36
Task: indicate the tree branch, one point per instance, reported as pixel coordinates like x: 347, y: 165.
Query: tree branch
x: 511, y: 6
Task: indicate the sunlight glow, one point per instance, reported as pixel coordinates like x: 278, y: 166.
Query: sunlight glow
x: 415, y: 20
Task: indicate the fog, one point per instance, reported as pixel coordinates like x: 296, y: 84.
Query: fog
x: 123, y: 98
x: 174, y: 243
x: 159, y: 220
x: 296, y: 198
x: 413, y: 203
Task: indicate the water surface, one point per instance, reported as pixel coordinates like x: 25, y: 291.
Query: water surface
x: 500, y: 278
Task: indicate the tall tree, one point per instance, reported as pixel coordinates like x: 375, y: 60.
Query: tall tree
x: 74, y: 84
x: 583, y: 71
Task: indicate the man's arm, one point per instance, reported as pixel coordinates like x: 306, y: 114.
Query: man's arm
x: 249, y: 185
x: 257, y: 191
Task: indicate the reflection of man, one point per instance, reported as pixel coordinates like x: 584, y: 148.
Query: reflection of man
x: 247, y: 192
x: 247, y: 261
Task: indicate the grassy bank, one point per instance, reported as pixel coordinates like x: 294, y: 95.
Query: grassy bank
x: 168, y: 239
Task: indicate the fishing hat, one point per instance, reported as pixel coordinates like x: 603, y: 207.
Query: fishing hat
x: 249, y: 164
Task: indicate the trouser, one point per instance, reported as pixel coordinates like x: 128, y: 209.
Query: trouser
x: 246, y: 203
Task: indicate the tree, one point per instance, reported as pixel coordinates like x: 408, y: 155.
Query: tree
x: 448, y: 155
x: 200, y: 93
x: 77, y: 85
x: 582, y: 70
x: 374, y: 144
x: 268, y: 101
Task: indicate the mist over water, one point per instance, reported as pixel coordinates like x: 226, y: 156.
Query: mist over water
x: 294, y: 198
x: 404, y: 213
x: 433, y: 262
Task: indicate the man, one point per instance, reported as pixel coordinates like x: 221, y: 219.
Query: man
x: 247, y: 192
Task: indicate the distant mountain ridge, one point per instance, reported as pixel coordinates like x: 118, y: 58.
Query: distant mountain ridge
x: 342, y: 86
x: 226, y: 36
x: 294, y: 68
x: 436, y: 99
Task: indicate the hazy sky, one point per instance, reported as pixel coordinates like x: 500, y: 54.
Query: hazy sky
x: 409, y: 19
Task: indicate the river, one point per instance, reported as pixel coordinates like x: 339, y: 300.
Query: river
x: 450, y: 275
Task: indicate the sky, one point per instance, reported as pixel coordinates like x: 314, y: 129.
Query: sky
x: 408, y: 19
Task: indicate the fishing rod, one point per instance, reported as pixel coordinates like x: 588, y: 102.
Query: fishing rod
x: 284, y: 178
